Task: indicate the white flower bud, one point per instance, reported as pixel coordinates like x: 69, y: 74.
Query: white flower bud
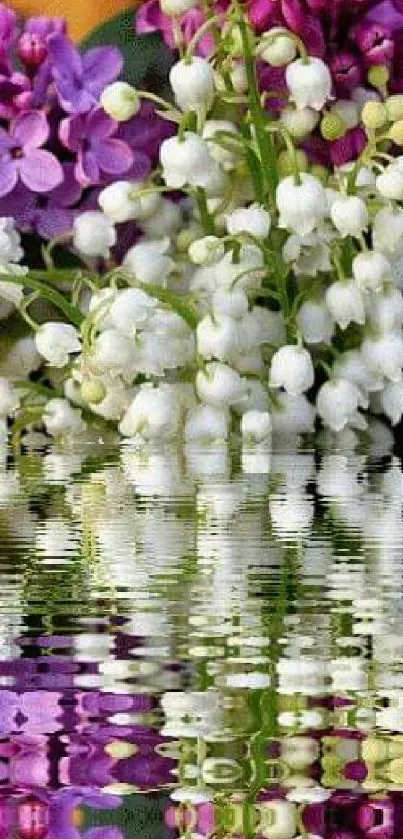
x: 186, y: 161
x: 390, y: 183
x: 220, y: 385
x: 254, y: 220
x: 371, y: 270
x: 55, y: 341
x: 392, y: 401
x: 93, y: 234
x: 130, y: 308
x: 207, y: 424
x: 309, y: 82
x: 337, y: 403
x: 120, y: 101
x: 192, y: 83
x: 61, y: 420
x: 345, y: 304
x: 116, y: 202
x: 154, y: 414
x: 384, y: 355
x: 256, y: 426
x: 177, y: 7
x: 301, y: 206
x: 206, y: 251
x: 349, y: 215
x: 225, y: 157
x: 387, y: 231
x: 217, y: 338
x: 281, y: 48
x: 292, y: 369
x: 314, y: 322
x: 299, y: 123
x: 9, y: 398
x: 149, y: 262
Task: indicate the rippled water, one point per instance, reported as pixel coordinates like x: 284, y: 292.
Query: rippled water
x: 202, y: 643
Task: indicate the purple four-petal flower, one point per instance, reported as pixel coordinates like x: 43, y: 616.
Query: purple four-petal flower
x: 98, y: 151
x: 21, y: 155
x: 79, y: 80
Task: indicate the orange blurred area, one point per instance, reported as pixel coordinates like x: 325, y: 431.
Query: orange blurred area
x: 82, y: 15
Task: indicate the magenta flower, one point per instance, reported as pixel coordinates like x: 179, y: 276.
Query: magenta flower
x: 21, y: 155
x: 80, y: 79
x: 99, y: 152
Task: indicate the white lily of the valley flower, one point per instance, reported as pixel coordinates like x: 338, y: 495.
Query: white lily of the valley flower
x: 309, y: 254
x: 192, y: 82
x: 130, y: 309
x: 232, y: 303
x: 225, y: 157
x: 371, y: 270
x: 392, y: 401
x: 207, y: 424
x: 154, y: 414
x: 149, y: 261
x: 217, y: 337
x: 292, y: 414
x: 55, y: 341
x: 292, y: 369
x: 314, y: 322
x: 254, y: 220
x: 220, y: 385
x: 387, y: 231
x: 384, y: 355
x: 385, y: 311
x: 309, y: 82
x: 390, y: 182
x: 61, y: 420
x: 186, y: 161
x: 345, y: 303
x: 299, y: 122
x: 206, y: 251
x: 113, y: 352
x: 256, y: 426
x: 352, y: 366
x: 120, y: 203
x: 93, y: 234
x: 337, y: 403
x: 10, y: 242
x: 302, y: 206
x: 349, y: 215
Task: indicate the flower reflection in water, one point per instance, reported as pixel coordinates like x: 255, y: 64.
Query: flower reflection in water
x: 202, y: 643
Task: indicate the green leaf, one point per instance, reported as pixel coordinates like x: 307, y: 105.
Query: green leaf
x: 147, y: 59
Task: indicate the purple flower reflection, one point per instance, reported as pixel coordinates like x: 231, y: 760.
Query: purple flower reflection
x: 22, y: 156
x: 34, y: 712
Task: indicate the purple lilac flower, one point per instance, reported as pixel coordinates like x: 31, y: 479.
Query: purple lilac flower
x: 8, y: 29
x: 80, y: 79
x: 98, y: 152
x: 48, y: 215
x: 23, y: 158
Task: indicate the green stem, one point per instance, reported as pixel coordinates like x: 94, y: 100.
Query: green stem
x: 32, y: 282
x: 174, y: 301
x: 206, y: 219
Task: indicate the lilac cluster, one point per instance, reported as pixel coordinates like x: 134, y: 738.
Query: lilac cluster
x: 57, y: 145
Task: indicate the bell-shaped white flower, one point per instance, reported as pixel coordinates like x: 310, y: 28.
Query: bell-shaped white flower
x: 309, y: 82
x: 385, y: 311
x: 207, y: 424
x: 256, y: 426
x: 351, y: 365
x: 299, y: 122
x: 149, y: 262
x: 217, y: 337
x: 345, y: 303
x: 9, y: 398
x: 254, y: 220
x: 120, y: 101
x: 131, y: 308
x: 154, y: 414
x: 390, y: 183
x: 384, y: 355
x: 309, y: 254
x: 55, y: 341
x: 315, y: 322
x: 120, y: 202
x: 391, y: 398
x: 61, y: 420
x: 280, y: 49
x: 371, y: 270
x: 337, y: 403
x: 165, y: 221
x: 206, y: 251
x: 302, y: 206
x: 292, y: 368
x: 387, y: 231
x: 220, y: 385
x: 192, y: 82
x: 349, y: 215
x: 227, y: 158
x: 234, y: 303
x: 113, y: 352
x: 186, y: 161
x: 93, y: 234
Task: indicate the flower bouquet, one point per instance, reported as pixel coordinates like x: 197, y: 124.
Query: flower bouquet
x: 226, y: 260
